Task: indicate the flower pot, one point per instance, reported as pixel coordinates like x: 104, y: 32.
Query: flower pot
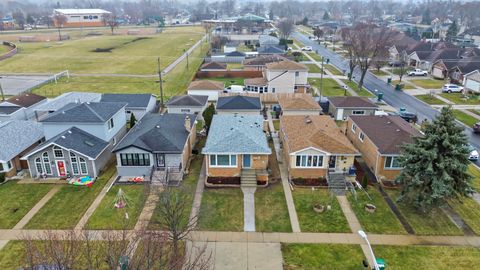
x: 318, y: 208
x: 370, y: 208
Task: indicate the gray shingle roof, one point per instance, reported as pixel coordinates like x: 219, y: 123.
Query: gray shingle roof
x: 239, y: 103
x: 11, y: 143
x: 158, y: 133
x: 188, y: 100
x: 89, y: 112
x: 77, y: 140
x: 236, y: 134
x: 60, y: 101
x: 6, y: 110
x: 132, y: 100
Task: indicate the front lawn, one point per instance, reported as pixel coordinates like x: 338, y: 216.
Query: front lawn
x: 433, y: 223
x: 428, y: 83
x: 271, y: 212
x: 330, y: 87
x: 313, y: 68
x: 221, y: 210
x: 67, y: 206
x: 428, y: 257
x: 469, y: 210
x: 333, y: 70
x: 379, y: 72
x: 382, y: 221
x: 430, y: 99
x: 331, y: 220
x: 106, y: 216
x: 475, y: 172
x: 315, y: 56
x: 465, y: 118
x: 12, y: 256
x: 321, y: 256
x: 405, y: 85
x: 17, y: 200
x: 354, y: 86
x: 459, y: 98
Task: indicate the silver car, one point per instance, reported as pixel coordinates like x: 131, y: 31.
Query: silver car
x: 452, y: 88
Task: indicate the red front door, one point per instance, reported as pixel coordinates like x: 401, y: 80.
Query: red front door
x: 61, y: 168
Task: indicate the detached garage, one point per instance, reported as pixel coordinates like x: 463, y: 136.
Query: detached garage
x: 206, y: 88
x: 471, y: 81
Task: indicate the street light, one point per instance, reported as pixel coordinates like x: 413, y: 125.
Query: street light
x: 364, y: 236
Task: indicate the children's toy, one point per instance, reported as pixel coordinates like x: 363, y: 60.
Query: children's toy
x: 82, y: 181
x: 121, y: 199
x: 136, y: 179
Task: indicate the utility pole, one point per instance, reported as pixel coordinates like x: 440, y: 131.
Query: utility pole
x: 1, y: 90
x: 321, y: 80
x: 161, y: 83
x: 186, y: 52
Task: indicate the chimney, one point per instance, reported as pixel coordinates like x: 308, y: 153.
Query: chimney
x: 188, y: 125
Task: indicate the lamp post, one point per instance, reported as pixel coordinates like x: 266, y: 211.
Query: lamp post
x: 364, y: 236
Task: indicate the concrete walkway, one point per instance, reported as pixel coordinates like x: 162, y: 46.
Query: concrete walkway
x: 249, y: 208
x: 197, y: 200
x: 36, y: 208
x: 95, y: 203
x: 3, y: 243
x: 149, y: 207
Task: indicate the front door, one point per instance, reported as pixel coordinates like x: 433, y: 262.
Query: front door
x: 160, y: 160
x: 332, y: 163
x: 61, y: 168
x: 247, y: 161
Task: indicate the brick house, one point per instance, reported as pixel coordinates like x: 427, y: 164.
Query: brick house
x: 342, y: 107
x: 379, y: 139
x: 298, y: 104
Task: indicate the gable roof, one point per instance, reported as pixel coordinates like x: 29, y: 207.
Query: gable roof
x: 163, y: 133
x: 297, y: 101
x: 268, y: 40
x: 26, y: 99
x: 235, y: 54
x: 77, y: 140
x: 7, y: 109
x: 262, y: 60
x: 137, y: 101
x: 206, y: 85
x: 474, y: 75
x: 214, y: 65
x: 188, y: 100
x: 11, y: 144
x: 352, y: 102
x: 261, y: 81
x: 469, y: 65
x: 70, y: 97
x: 286, y: 65
x: 387, y: 132
x: 239, y: 103
x: 271, y: 49
x: 88, y: 112
x: 237, y: 134
x: 317, y: 131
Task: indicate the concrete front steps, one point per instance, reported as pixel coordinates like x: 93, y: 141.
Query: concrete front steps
x: 248, y: 178
x: 337, y: 183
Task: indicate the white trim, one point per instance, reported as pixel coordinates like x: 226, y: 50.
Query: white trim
x: 80, y: 164
x: 391, y: 168
x: 306, y: 161
x: 310, y: 148
x: 223, y: 166
x: 360, y: 135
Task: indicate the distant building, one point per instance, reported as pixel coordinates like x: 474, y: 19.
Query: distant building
x: 81, y: 17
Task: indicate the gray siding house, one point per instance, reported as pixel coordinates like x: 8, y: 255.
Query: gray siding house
x: 188, y: 104
x: 342, y: 107
x: 137, y: 104
x: 239, y: 105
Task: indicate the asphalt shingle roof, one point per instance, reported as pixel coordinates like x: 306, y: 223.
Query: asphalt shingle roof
x: 286, y: 65
x: 352, y: 102
x: 262, y: 60
x: 70, y: 97
x: 26, y: 99
x: 188, y: 100
x: 237, y: 134
x: 239, y: 103
x: 206, y: 85
x: 6, y: 110
x: 138, y: 101
x: 214, y: 65
x: 89, y: 112
x: 12, y: 143
x: 158, y: 133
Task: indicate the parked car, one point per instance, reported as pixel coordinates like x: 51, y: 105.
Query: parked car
x: 235, y: 89
x: 394, y: 63
x: 407, y: 116
x: 417, y: 72
x: 452, y: 88
x: 476, y: 127
x: 307, y: 48
x: 473, y: 153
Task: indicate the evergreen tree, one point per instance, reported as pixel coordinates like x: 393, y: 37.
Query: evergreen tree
x: 133, y: 120
x: 326, y: 16
x: 208, y: 115
x: 426, y: 17
x: 435, y: 165
x: 305, y: 21
x: 452, y: 30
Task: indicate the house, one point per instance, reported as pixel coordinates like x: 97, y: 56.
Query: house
x: 57, y: 103
x: 206, y: 88
x: 84, y: 133
x: 268, y: 40
x: 81, y: 17
x: 379, y: 139
x: 159, y: 145
x: 213, y: 66
x: 188, y: 104
x: 298, y: 104
x: 230, y: 47
x: 259, y: 62
x: 237, y: 151
x: 342, y: 107
x: 471, y: 81
x: 13, y: 146
x: 314, y: 146
x: 239, y: 104
x: 137, y: 104
x: 473, y: 33
x: 230, y: 57
x: 286, y: 77
x: 457, y: 73
x: 26, y: 103
x: 272, y: 49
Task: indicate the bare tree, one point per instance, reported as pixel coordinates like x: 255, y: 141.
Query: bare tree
x: 59, y: 21
x: 402, y: 66
x: 110, y: 20
x: 285, y: 27
x: 318, y: 33
x: 347, y: 37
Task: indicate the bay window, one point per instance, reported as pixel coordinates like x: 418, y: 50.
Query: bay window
x: 309, y: 161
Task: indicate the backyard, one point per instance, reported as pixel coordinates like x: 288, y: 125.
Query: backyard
x: 330, y: 87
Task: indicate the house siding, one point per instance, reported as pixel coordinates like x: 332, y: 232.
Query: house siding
x: 212, y: 94
x: 191, y: 110
x: 258, y: 162
x: 346, y: 112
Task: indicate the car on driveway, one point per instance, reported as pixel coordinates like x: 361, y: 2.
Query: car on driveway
x: 452, y: 88
x: 472, y: 153
x: 417, y: 72
x: 476, y: 128
x: 307, y: 48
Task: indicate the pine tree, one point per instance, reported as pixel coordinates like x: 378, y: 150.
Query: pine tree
x: 208, y: 115
x: 435, y: 165
x: 326, y: 16
x: 452, y: 30
x: 133, y: 120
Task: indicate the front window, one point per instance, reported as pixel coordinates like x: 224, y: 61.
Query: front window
x: 135, y: 159
x: 309, y: 161
x: 83, y: 166
x: 110, y: 123
x: 297, y: 73
x: 38, y: 165
x: 354, y: 128
x: 185, y: 110
x: 46, y: 164
x: 74, y: 161
x: 361, y: 136
x: 358, y: 112
x: 57, y: 152
x: 223, y: 160
x: 392, y: 163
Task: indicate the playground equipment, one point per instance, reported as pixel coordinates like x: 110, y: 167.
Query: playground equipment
x: 82, y: 181
x: 121, y: 200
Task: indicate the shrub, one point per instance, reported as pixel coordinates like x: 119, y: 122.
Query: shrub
x: 2, y: 177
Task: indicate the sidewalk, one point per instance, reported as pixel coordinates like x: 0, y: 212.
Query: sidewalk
x: 249, y: 208
x: 197, y: 200
x: 36, y: 208
x: 148, y: 208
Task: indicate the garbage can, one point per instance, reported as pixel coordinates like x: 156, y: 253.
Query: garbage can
x: 398, y: 87
x: 380, y: 263
x: 389, y: 80
x: 380, y: 96
x: 402, y: 109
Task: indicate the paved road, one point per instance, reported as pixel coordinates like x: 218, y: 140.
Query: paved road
x: 396, y: 99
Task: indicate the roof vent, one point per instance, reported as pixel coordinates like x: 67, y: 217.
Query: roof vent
x: 388, y: 122
x: 398, y: 130
x: 63, y: 137
x: 157, y: 126
x: 69, y: 132
x: 88, y: 102
x: 89, y: 143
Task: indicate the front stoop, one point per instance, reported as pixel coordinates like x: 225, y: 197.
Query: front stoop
x: 248, y: 178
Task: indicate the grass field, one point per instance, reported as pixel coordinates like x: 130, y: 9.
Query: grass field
x: 333, y: 70
x: 315, y: 56
x: 476, y: 177
x: 458, y: 98
x: 329, y: 221
x: 104, y: 54
x: 234, y: 66
x: 271, y: 213
x: 428, y: 83
x: 468, y: 209
x: 221, y: 210
x: 363, y: 92
x: 465, y: 118
x: 330, y: 87
x: 4, y: 49
x: 12, y: 256
x: 67, y: 206
x: 17, y: 200
x: 430, y: 99
x: 321, y: 256
x: 312, y: 68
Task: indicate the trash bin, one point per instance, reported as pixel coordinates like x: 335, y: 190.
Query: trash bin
x: 380, y: 263
x: 402, y: 109
x: 389, y: 80
x: 380, y: 96
x: 398, y: 87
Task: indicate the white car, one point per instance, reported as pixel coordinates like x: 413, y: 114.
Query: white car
x: 307, y: 48
x: 417, y: 72
x: 452, y: 88
x: 473, y: 155
x: 235, y: 89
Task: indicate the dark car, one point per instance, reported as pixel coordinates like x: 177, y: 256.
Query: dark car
x: 407, y: 116
x: 476, y: 127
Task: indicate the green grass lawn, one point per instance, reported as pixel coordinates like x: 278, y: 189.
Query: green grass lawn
x: 458, y: 98
x: 221, y: 210
x: 4, y: 49
x: 383, y: 221
x: 315, y: 56
x: 477, y: 112
x: 469, y: 210
x: 465, y: 118
x: 234, y: 66
x: 428, y: 83
x: 313, y: 68
x: 124, y: 54
x: 330, y: 87
x: 363, y: 93
x: 329, y: 221
x: 12, y: 256
x: 271, y: 213
x: 333, y: 70
x: 428, y: 257
x: 405, y: 86
x: 379, y: 72
x: 229, y: 81
x: 432, y: 223
x: 321, y: 256
x: 67, y: 206
x: 475, y: 172
x: 17, y: 200
x: 106, y: 216
x: 430, y: 99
